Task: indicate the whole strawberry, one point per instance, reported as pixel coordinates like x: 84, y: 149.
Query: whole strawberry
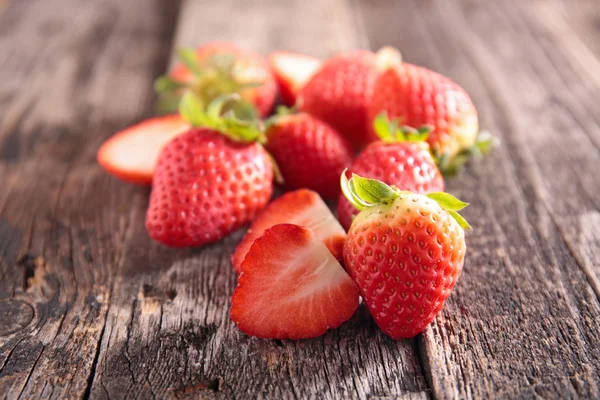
x: 340, y: 92
x: 405, y: 252
x: 218, y: 68
x: 400, y: 157
x: 209, y: 181
x: 310, y: 154
x: 419, y: 96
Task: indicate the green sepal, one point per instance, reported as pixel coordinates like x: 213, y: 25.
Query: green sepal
x: 371, y: 190
x: 280, y: 113
x: 189, y: 58
x: 165, y: 83
x: 452, y: 205
x: 167, y: 102
x: 449, y: 166
x: 193, y: 110
x: 363, y: 192
x: 447, y: 201
x: 210, y: 78
x: 348, y: 191
x: 392, y: 131
x: 459, y: 219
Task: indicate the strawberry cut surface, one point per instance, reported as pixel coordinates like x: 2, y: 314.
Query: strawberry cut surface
x: 292, y: 71
x: 301, y: 207
x: 292, y: 287
x: 132, y: 153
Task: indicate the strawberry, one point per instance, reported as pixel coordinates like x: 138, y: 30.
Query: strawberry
x: 405, y: 252
x: 291, y: 287
x: 131, y: 154
x: 340, y: 92
x: 301, y: 207
x: 400, y: 158
x: 292, y: 71
x: 208, y: 181
x: 310, y: 154
x: 419, y: 96
x: 218, y: 68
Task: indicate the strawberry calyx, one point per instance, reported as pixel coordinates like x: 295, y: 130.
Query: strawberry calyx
x: 226, y: 122
x: 392, y: 131
x: 453, y: 166
x: 208, y: 79
x: 281, y: 113
x: 192, y: 109
x: 363, y: 193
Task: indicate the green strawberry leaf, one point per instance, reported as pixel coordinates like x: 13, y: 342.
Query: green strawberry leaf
x: 371, y: 190
x: 349, y: 193
x: 447, y: 201
x: 165, y: 83
x: 191, y: 109
x: 168, y: 102
x: 391, y: 131
x: 216, y: 106
x: 460, y: 219
x: 381, y: 125
x: 189, y: 58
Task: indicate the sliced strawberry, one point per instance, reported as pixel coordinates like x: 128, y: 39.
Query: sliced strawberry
x: 301, y: 207
x: 132, y: 153
x: 292, y: 71
x: 292, y: 287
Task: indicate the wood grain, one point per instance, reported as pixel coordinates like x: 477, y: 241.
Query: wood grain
x: 69, y: 80
x: 184, y: 344
x: 523, y: 321
x: 91, y: 307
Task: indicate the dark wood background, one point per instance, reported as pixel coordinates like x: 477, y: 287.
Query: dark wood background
x: 90, y: 307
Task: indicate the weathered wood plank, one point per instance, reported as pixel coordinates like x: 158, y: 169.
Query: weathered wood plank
x: 168, y: 330
x: 72, y: 72
x: 523, y: 321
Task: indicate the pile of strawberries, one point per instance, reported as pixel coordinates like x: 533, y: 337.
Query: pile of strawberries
x: 365, y: 128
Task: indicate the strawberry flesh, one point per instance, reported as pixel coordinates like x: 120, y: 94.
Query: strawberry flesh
x: 132, y: 153
x: 292, y: 287
x: 292, y: 71
x: 301, y: 207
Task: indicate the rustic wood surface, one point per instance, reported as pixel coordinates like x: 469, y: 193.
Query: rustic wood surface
x: 90, y: 307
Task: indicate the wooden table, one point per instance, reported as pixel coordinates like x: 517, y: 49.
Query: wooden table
x: 91, y: 307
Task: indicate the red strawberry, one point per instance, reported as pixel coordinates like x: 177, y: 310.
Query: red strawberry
x: 397, y: 159
x: 292, y: 71
x: 218, y: 68
x: 132, y: 153
x: 209, y: 181
x: 405, y: 251
x: 340, y: 92
x: 301, y: 207
x: 291, y: 287
x: 310, y: 154
x: 419, y: 96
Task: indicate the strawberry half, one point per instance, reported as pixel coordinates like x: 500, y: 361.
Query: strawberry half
x: 292, y: 287
x: 301, y: 207
x: 292, y: 71
x: 132, y: 153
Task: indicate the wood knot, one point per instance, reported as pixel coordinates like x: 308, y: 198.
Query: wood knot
x: 15, y: 315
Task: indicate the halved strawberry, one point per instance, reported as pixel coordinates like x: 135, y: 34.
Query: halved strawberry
x: 292, y: 287
x: 292, y: 71
x: 301, y: 207
x: 131, y: 154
